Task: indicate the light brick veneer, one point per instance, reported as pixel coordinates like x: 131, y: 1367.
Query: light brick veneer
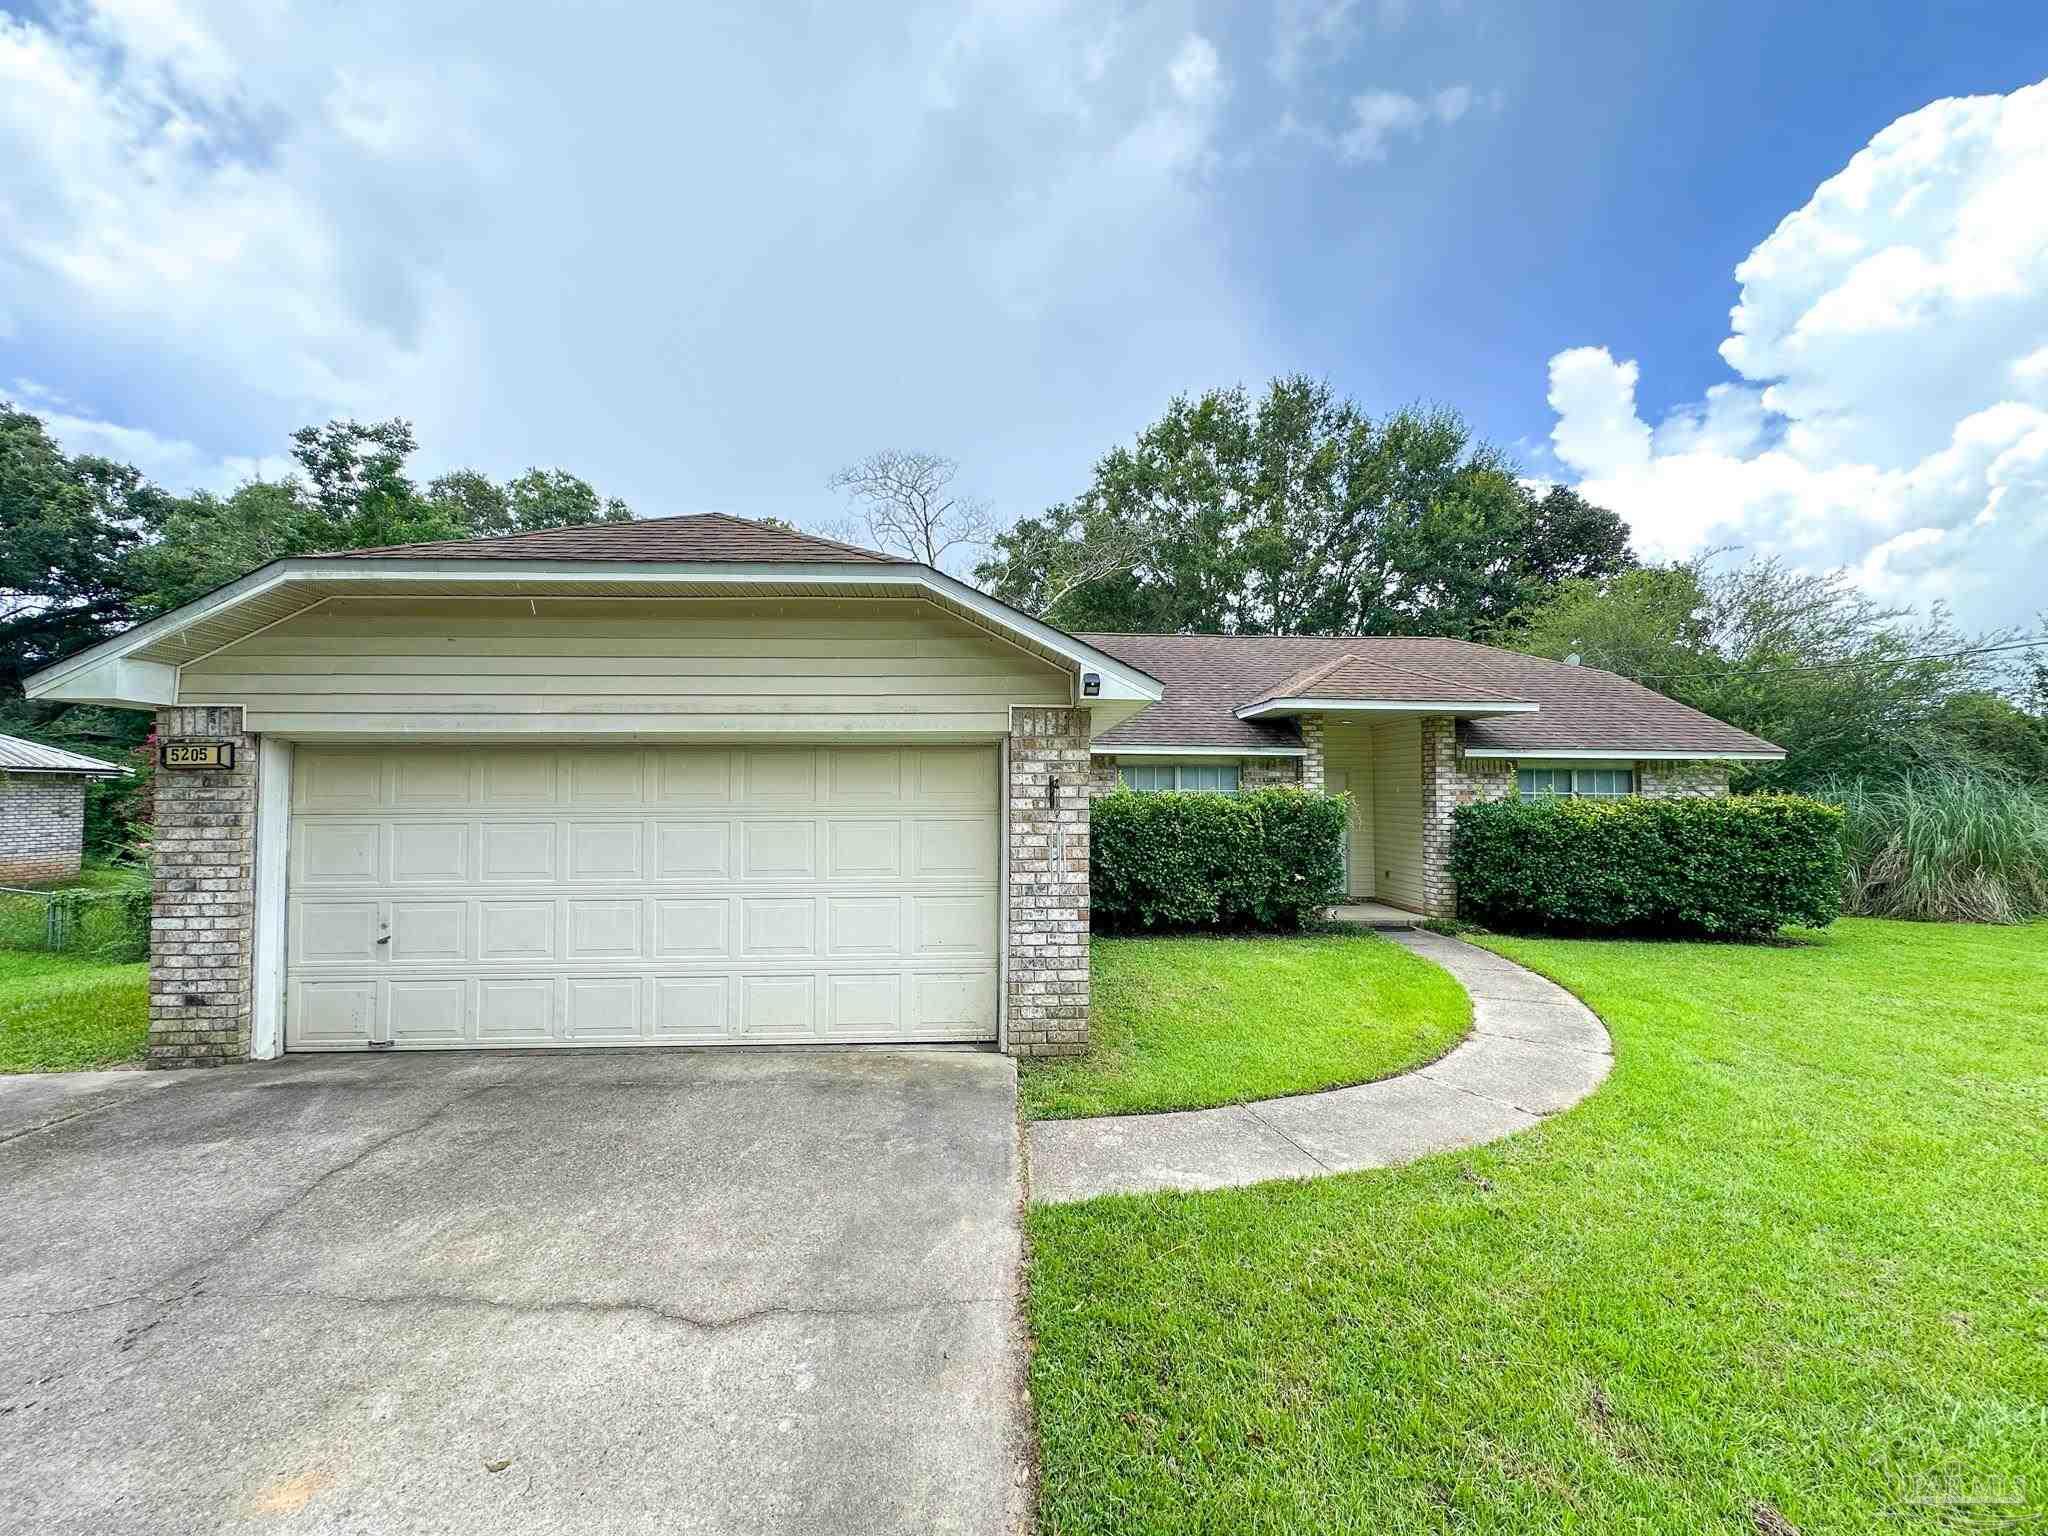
x: 1684, y: 780
x: 1313, y: 764
x: 1269, y: 773
x: 201, y: 928
x: 1051, y: 786
x: 42, y: 826
x: 1451, y: 779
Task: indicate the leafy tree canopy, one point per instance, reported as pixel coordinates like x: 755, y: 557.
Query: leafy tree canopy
x: 1851, y: 688
x: 88, y: 547
x: 1296, y: 513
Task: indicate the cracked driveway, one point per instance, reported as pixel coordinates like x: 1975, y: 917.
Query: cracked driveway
x: 605, y: 1291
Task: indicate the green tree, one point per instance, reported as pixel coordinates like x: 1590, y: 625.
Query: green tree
x: 1296, y: 513
x: 554, y: 498
x: 1850, y: 687
x: 471, y: 500
x: 67, y: 528
x: 2001, y: 734
x: 88, y: 546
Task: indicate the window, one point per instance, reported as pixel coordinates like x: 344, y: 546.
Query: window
x: 1581, y: 783
x: 1216, y: 778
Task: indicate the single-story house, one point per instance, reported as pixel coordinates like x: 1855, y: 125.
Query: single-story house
x: 698, y: 780
x: 42, y: 809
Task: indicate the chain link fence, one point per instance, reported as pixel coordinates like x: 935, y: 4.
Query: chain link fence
x: 109, y: 922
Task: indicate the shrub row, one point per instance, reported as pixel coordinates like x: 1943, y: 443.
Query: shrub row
x: 1741, y: 866
x: 1267, y: 859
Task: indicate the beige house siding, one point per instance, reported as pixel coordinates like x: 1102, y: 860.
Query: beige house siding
x: 510, y: 666
x: 1397, y: 812
x: 1347, y: 765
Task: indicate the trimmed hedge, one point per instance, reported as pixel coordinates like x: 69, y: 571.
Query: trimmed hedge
x: 1741, y: 866
x: 1267, y: 859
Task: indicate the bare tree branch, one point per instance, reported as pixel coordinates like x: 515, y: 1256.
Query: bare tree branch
x: 903, y: 503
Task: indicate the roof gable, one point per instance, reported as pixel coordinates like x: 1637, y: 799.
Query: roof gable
x: 1353, y: 679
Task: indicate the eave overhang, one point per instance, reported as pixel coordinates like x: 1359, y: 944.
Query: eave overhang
x: 1623, y: 754
x: 139, y: 668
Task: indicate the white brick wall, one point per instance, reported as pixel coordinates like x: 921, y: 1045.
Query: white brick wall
x: 203, y: 913
x: 42, y: 826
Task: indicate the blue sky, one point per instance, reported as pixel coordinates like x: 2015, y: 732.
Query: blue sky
x: 704, y: 256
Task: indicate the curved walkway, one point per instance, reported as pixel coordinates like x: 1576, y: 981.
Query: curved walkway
x: 1534, y: 1050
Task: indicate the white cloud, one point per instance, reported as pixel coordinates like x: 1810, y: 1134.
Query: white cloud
x: 1197, y: 72
x: 1892, y: 411
x: 1378, y: 118
x: 1304, y: 29
x: 1452, y: 103
x: 171, y: 462
x: 703, y: 264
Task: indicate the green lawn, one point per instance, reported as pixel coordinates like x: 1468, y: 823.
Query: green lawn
x: 1790, y: 1262
x: 59, y: 1013
x: 1184, y: 1023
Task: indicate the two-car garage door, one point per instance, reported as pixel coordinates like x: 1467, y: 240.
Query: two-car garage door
x: 519, y: 896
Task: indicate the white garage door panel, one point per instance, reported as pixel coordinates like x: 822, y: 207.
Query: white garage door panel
x: 510, y: 896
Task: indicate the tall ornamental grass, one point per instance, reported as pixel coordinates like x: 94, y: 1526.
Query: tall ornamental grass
x: 1945, y: 847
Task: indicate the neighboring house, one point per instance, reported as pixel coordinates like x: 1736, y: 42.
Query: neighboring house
x: 1411, y: 729
x: 697, y: 780
x: 42, y: 809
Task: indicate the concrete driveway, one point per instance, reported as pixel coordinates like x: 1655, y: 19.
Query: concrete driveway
x: 606, y: 1291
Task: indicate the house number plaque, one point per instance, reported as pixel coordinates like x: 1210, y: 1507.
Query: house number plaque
x: 196, y: 754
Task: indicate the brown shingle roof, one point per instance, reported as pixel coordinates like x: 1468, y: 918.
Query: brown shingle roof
x: 1209, y: 677
x: 1356, y: 677
x: 690, y: 539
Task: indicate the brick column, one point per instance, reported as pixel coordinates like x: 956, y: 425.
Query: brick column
x: 202, y: 918
x: 1312, y: 765
x: 1047, y: 902
x: 1449, y: 780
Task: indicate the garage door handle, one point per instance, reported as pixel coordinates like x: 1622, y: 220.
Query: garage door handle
x: 385, y: 940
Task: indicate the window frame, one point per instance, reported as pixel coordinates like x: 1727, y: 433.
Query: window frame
x: 1581, y: 781
x: 1178, y: 772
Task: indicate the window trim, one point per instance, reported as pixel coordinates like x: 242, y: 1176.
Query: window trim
x: 1573, y: 770
x: 1179, y: 770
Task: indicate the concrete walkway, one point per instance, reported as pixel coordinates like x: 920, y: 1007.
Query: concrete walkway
x: 1534, y: 1050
